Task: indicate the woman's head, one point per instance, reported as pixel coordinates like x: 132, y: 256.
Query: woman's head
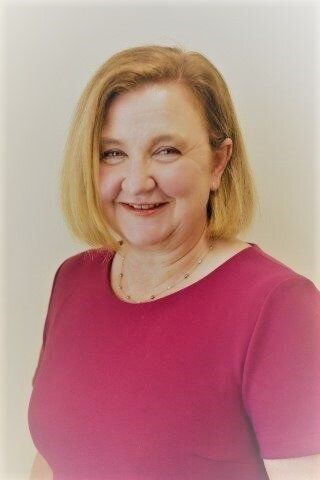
x: 155, y: 150
x: 136, y: 95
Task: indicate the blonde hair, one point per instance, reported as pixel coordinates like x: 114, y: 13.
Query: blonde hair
x: 230, y: 208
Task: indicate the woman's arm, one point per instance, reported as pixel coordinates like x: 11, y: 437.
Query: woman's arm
x: 300, y: 468
x: 40, y: 469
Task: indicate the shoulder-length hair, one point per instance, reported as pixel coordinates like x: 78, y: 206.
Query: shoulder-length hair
x: 230, y: 208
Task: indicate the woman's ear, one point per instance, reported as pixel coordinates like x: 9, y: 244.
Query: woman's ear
x: 221, y: 157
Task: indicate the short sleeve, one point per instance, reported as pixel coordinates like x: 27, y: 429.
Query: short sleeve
x: 281, y: 376
x: 46, y: 324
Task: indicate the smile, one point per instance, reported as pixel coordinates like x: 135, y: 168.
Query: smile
x: 143, y: 211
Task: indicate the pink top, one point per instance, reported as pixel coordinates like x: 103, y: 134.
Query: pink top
x: 199, y: 385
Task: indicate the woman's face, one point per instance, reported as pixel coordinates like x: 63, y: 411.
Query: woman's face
x: 156, y: 150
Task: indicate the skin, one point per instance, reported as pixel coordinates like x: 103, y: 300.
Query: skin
x: 159, y: 247
x: 299, y: 468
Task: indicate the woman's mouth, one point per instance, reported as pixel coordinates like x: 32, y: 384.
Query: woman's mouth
x: 144, y: 209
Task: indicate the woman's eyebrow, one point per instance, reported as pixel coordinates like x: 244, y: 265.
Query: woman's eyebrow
x: 158, y: 138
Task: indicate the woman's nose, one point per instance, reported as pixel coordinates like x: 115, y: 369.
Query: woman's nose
x: 138, y: 179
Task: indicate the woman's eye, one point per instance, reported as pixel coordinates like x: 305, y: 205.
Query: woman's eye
x: 108, y: 156
x: 170, y: 150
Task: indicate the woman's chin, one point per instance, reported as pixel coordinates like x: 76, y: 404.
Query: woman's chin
x: 143, y: 243
x: 143, y: 240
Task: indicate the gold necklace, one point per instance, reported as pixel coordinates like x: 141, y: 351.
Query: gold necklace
x: 152, y: 297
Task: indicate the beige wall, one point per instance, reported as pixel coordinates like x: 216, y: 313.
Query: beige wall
x: 266, y: 52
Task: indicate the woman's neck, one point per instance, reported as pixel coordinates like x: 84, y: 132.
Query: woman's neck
x: 149, y: 270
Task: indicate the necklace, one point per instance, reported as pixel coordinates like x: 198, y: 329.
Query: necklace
x: 152, y: 297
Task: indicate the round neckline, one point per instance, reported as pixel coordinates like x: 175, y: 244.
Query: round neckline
x: 172, y: 296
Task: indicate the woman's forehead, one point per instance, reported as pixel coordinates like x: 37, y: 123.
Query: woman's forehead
x: 164, y: 100
x: 157, y: 111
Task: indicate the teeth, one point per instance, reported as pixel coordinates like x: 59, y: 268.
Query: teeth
x: 144, y: 206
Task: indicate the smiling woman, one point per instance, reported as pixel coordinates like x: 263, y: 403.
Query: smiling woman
x: 171, y: 348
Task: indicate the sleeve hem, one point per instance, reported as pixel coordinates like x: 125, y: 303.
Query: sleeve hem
x: 302, y: 447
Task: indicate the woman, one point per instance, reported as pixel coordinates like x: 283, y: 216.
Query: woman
x: 171, y: 349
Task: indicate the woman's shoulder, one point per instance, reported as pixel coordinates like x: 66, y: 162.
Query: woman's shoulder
x: 92, y: 254
x: 84, y: 260
x: 253, y: 259
x: 264, y: 269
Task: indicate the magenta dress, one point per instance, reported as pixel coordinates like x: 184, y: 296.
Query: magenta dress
x: 199, y: 385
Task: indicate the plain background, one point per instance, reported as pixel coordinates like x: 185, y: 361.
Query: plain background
x: 267, y: 52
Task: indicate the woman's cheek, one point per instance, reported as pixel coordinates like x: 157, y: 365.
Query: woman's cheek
x: 177, y: 182
x: 109, y: 187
